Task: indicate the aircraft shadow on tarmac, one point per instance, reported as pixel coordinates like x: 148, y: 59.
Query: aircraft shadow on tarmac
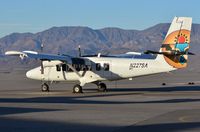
x: 165, y: 127
x: 9, y: 124
x: 18, y: 110
x: 92, y: 99
x: 158, y: 89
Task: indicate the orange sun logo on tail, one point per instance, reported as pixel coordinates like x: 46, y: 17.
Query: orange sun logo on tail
x: 177, y: 41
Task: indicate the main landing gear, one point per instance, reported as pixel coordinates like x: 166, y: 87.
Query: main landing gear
x: 101, y: 88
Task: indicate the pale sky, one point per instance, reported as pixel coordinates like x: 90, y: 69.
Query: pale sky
x: 38, y: 15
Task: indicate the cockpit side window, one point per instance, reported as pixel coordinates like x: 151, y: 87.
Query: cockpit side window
x: 64, y: 67
x: 68, y: 69
x: 58, y: 68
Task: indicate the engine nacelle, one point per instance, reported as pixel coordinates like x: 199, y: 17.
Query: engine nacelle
x: 51, y: 63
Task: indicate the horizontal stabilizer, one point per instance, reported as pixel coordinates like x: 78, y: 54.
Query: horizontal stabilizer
x: 168, y: 53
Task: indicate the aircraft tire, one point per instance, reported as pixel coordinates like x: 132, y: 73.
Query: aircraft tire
x: 102, y: 87
x: 77, y: 89
x: 45, y: 87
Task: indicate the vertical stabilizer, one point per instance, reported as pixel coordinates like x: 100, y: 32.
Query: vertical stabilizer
x: 177, y: 41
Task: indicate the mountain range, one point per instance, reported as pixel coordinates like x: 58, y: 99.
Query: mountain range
x: 65, y: 40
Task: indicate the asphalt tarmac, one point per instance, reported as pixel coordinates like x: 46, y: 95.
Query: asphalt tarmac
x: 140, y: 105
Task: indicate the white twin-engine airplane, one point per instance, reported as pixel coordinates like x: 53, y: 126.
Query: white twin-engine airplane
x: 173, y: 55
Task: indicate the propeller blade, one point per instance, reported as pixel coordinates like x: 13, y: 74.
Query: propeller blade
x: 79, y: 51
x: 42, y: 67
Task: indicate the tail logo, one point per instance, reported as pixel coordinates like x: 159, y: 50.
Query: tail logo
x: 177, y: 41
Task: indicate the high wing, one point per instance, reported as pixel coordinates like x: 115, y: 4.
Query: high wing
x: 130, y: 55
x: 41, y: 56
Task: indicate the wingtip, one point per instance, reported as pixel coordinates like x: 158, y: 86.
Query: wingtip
x: 12, y: 52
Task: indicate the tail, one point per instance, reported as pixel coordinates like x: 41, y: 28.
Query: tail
x: 177, y: 42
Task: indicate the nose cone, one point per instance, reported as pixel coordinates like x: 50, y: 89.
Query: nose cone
x: 28, y: 74
x: 34, y: 74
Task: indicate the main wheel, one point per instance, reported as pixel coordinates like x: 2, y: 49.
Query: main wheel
x: 77, y: 89
x: 102, y: 87
x: 45, y: 87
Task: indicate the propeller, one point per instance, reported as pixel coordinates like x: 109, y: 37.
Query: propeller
x: 42, y: 67
x: 79, y: 51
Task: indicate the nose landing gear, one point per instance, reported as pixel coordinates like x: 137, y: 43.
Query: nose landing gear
x: 77, y: 89
x: 45, y: 87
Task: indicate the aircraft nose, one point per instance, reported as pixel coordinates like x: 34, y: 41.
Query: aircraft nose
x: 33, y: 74
x: 29, y: 74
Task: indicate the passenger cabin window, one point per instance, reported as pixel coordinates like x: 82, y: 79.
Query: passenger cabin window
x: 106, y: 67
x: 89, y: 68
x: 77, y: 67
x: 64, y: 67
x: 58, y: 68
x: 98, y: 66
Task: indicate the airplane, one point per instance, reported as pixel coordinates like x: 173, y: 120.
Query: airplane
x: 172, y: 55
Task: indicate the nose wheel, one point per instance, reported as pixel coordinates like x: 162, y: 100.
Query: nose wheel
x: 45, y: 87
x: 77, y: 89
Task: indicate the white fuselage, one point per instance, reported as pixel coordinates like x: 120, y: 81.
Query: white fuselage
x: 102, y: 68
